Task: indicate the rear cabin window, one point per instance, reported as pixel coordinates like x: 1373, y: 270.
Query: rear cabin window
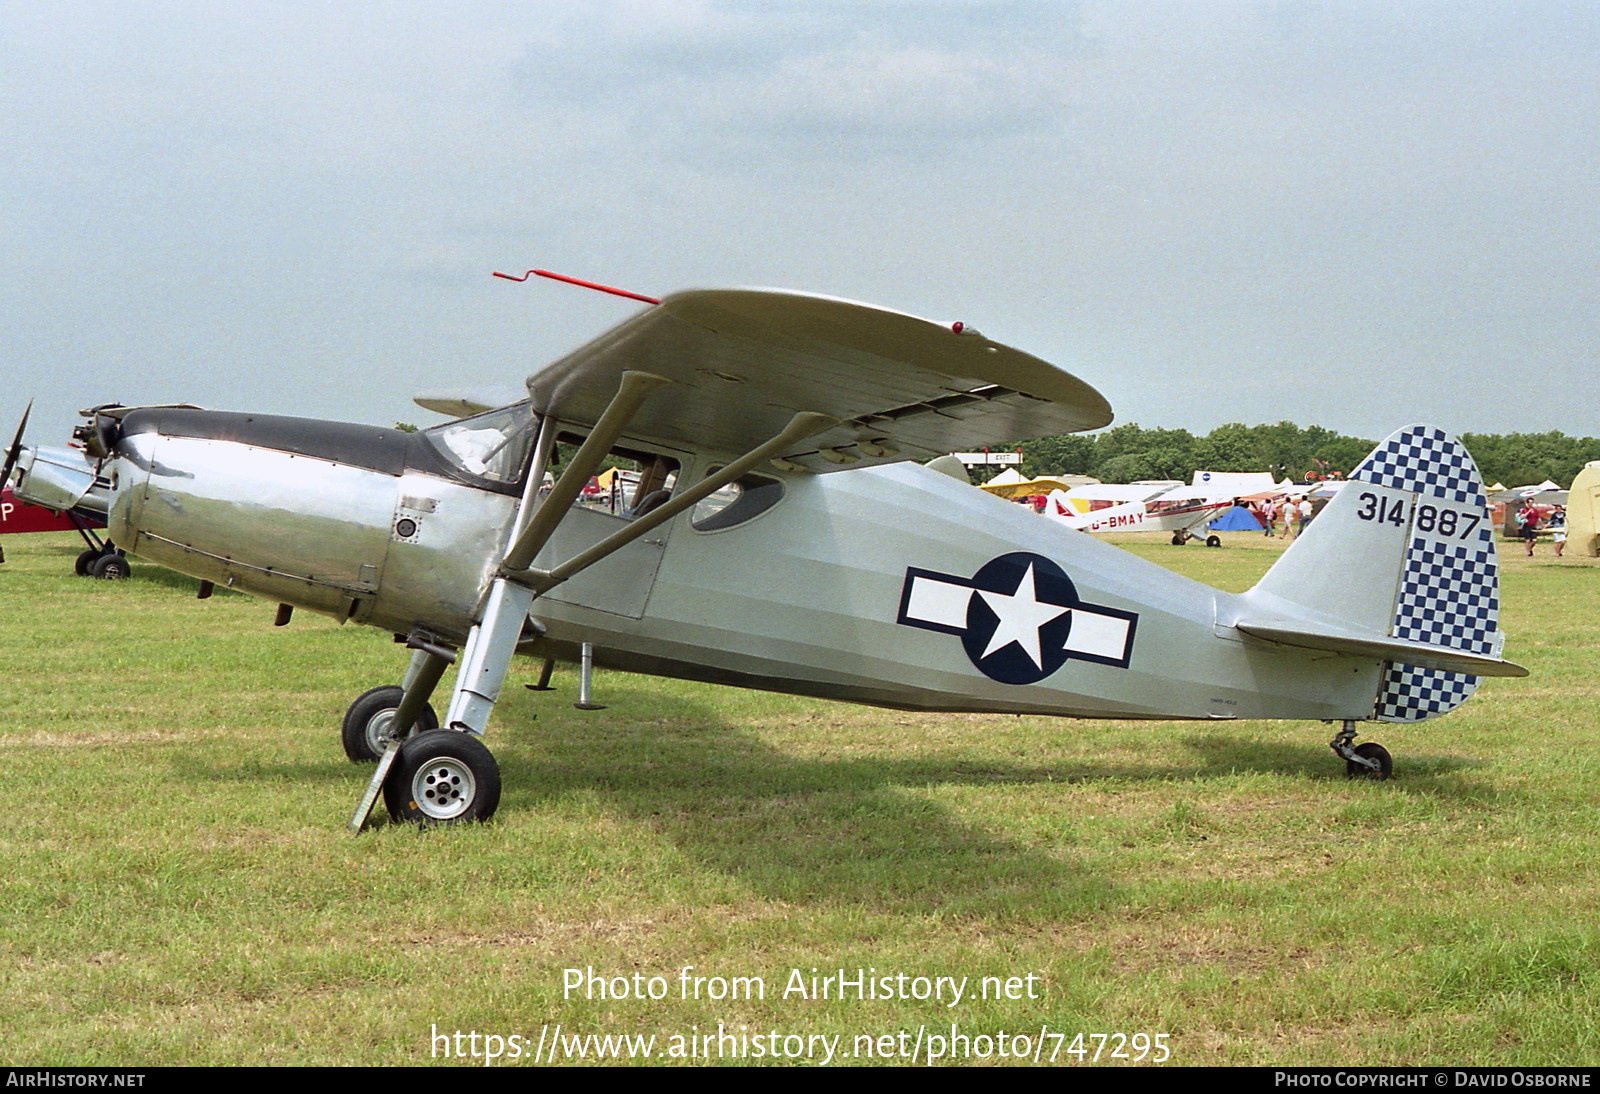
x: 743, y: 499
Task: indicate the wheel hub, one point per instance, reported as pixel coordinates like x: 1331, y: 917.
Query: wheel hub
x: 443, y: 788
x: 379, y: 731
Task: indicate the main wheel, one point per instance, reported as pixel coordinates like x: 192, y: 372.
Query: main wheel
x: 442, y: 776
x: 368, y: 724
x: 86, y: 558
x: 1213, y: 541
x: 1370, y: 751
x: 1178, y: 539
x: 110, y: 568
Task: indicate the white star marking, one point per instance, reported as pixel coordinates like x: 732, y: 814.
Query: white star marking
x: 1021, y: 615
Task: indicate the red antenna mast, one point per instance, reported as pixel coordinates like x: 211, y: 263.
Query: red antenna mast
x: 580, y: 283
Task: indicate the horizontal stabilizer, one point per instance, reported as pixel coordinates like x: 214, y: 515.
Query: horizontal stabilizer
x: 1384, y: 648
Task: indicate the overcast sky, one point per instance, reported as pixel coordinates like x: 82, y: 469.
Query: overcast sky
x: 1337, y: 212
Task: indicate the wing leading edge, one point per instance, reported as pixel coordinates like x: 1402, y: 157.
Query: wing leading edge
x: 741, y: 362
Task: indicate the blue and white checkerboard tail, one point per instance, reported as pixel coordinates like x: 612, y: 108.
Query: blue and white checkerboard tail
x: 1401, y: 564
x: 1449, y: 591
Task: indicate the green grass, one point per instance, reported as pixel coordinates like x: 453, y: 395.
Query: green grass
x: 179, y: 887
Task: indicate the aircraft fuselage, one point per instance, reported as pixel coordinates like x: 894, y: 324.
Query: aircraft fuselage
x: 895, y: 585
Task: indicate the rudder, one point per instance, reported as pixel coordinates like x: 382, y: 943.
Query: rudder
x: 1449, y: 587
x: 1405, y: 552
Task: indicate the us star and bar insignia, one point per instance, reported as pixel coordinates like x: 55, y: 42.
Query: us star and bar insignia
x: 1019, y: 618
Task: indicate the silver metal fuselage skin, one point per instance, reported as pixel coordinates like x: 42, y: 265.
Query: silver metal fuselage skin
x: 310, y: 532
x: 62, y: 479
x: 808, y: 597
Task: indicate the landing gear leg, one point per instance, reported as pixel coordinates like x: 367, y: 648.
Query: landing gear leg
x: 1364, y: 761
x: 487, y: 656
x: 447, y: 776
x: 422, y: 678
x: 95, y: 550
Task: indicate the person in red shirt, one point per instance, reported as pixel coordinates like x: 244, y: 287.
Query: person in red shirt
x: 1528, y: 525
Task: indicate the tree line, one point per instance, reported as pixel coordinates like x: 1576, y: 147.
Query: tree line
x: 1130, y: 452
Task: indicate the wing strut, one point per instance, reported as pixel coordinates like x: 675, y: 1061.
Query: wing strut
x: 802, y: 425
x: 493, y: 641
x: 624, y: 405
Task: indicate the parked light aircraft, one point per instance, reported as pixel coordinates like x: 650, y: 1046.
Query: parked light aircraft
x: 782, y: 536
x: 1166, y: 508
x: 58, y: 490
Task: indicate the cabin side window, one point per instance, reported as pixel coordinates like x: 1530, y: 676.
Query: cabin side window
x: 630, y: 484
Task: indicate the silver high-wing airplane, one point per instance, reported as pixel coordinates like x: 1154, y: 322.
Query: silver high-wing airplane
x: 782, y: 535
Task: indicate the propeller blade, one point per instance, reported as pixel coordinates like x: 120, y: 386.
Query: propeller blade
x: 15, y: 450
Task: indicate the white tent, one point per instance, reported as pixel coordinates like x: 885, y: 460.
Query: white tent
x: 1009, y: 477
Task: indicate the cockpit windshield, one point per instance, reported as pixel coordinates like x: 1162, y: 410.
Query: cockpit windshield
x: 494, y: 445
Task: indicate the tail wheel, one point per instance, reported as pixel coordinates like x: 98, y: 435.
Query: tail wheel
x: 368, y: 723
x: 1370, y: 751
x: 443, y: 776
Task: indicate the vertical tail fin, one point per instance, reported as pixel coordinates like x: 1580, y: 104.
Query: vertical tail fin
x: 1400, y: 565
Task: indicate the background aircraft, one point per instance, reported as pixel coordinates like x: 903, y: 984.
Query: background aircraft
x: 1174, y: 509
x: 58, y: 489
x: 782, y: 536
x: 1010, y: 484
x: 1170, y: 507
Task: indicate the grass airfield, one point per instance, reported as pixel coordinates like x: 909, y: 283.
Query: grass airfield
x: 180, y: 889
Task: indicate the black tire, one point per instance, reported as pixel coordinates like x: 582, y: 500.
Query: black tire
x: 86, y: 558
x: 1213, y: 541
x: 110, y: 568
x: 442, y: 776
x: 1178, y: 539
x: 1371, y: 750
x: 365, y: 731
